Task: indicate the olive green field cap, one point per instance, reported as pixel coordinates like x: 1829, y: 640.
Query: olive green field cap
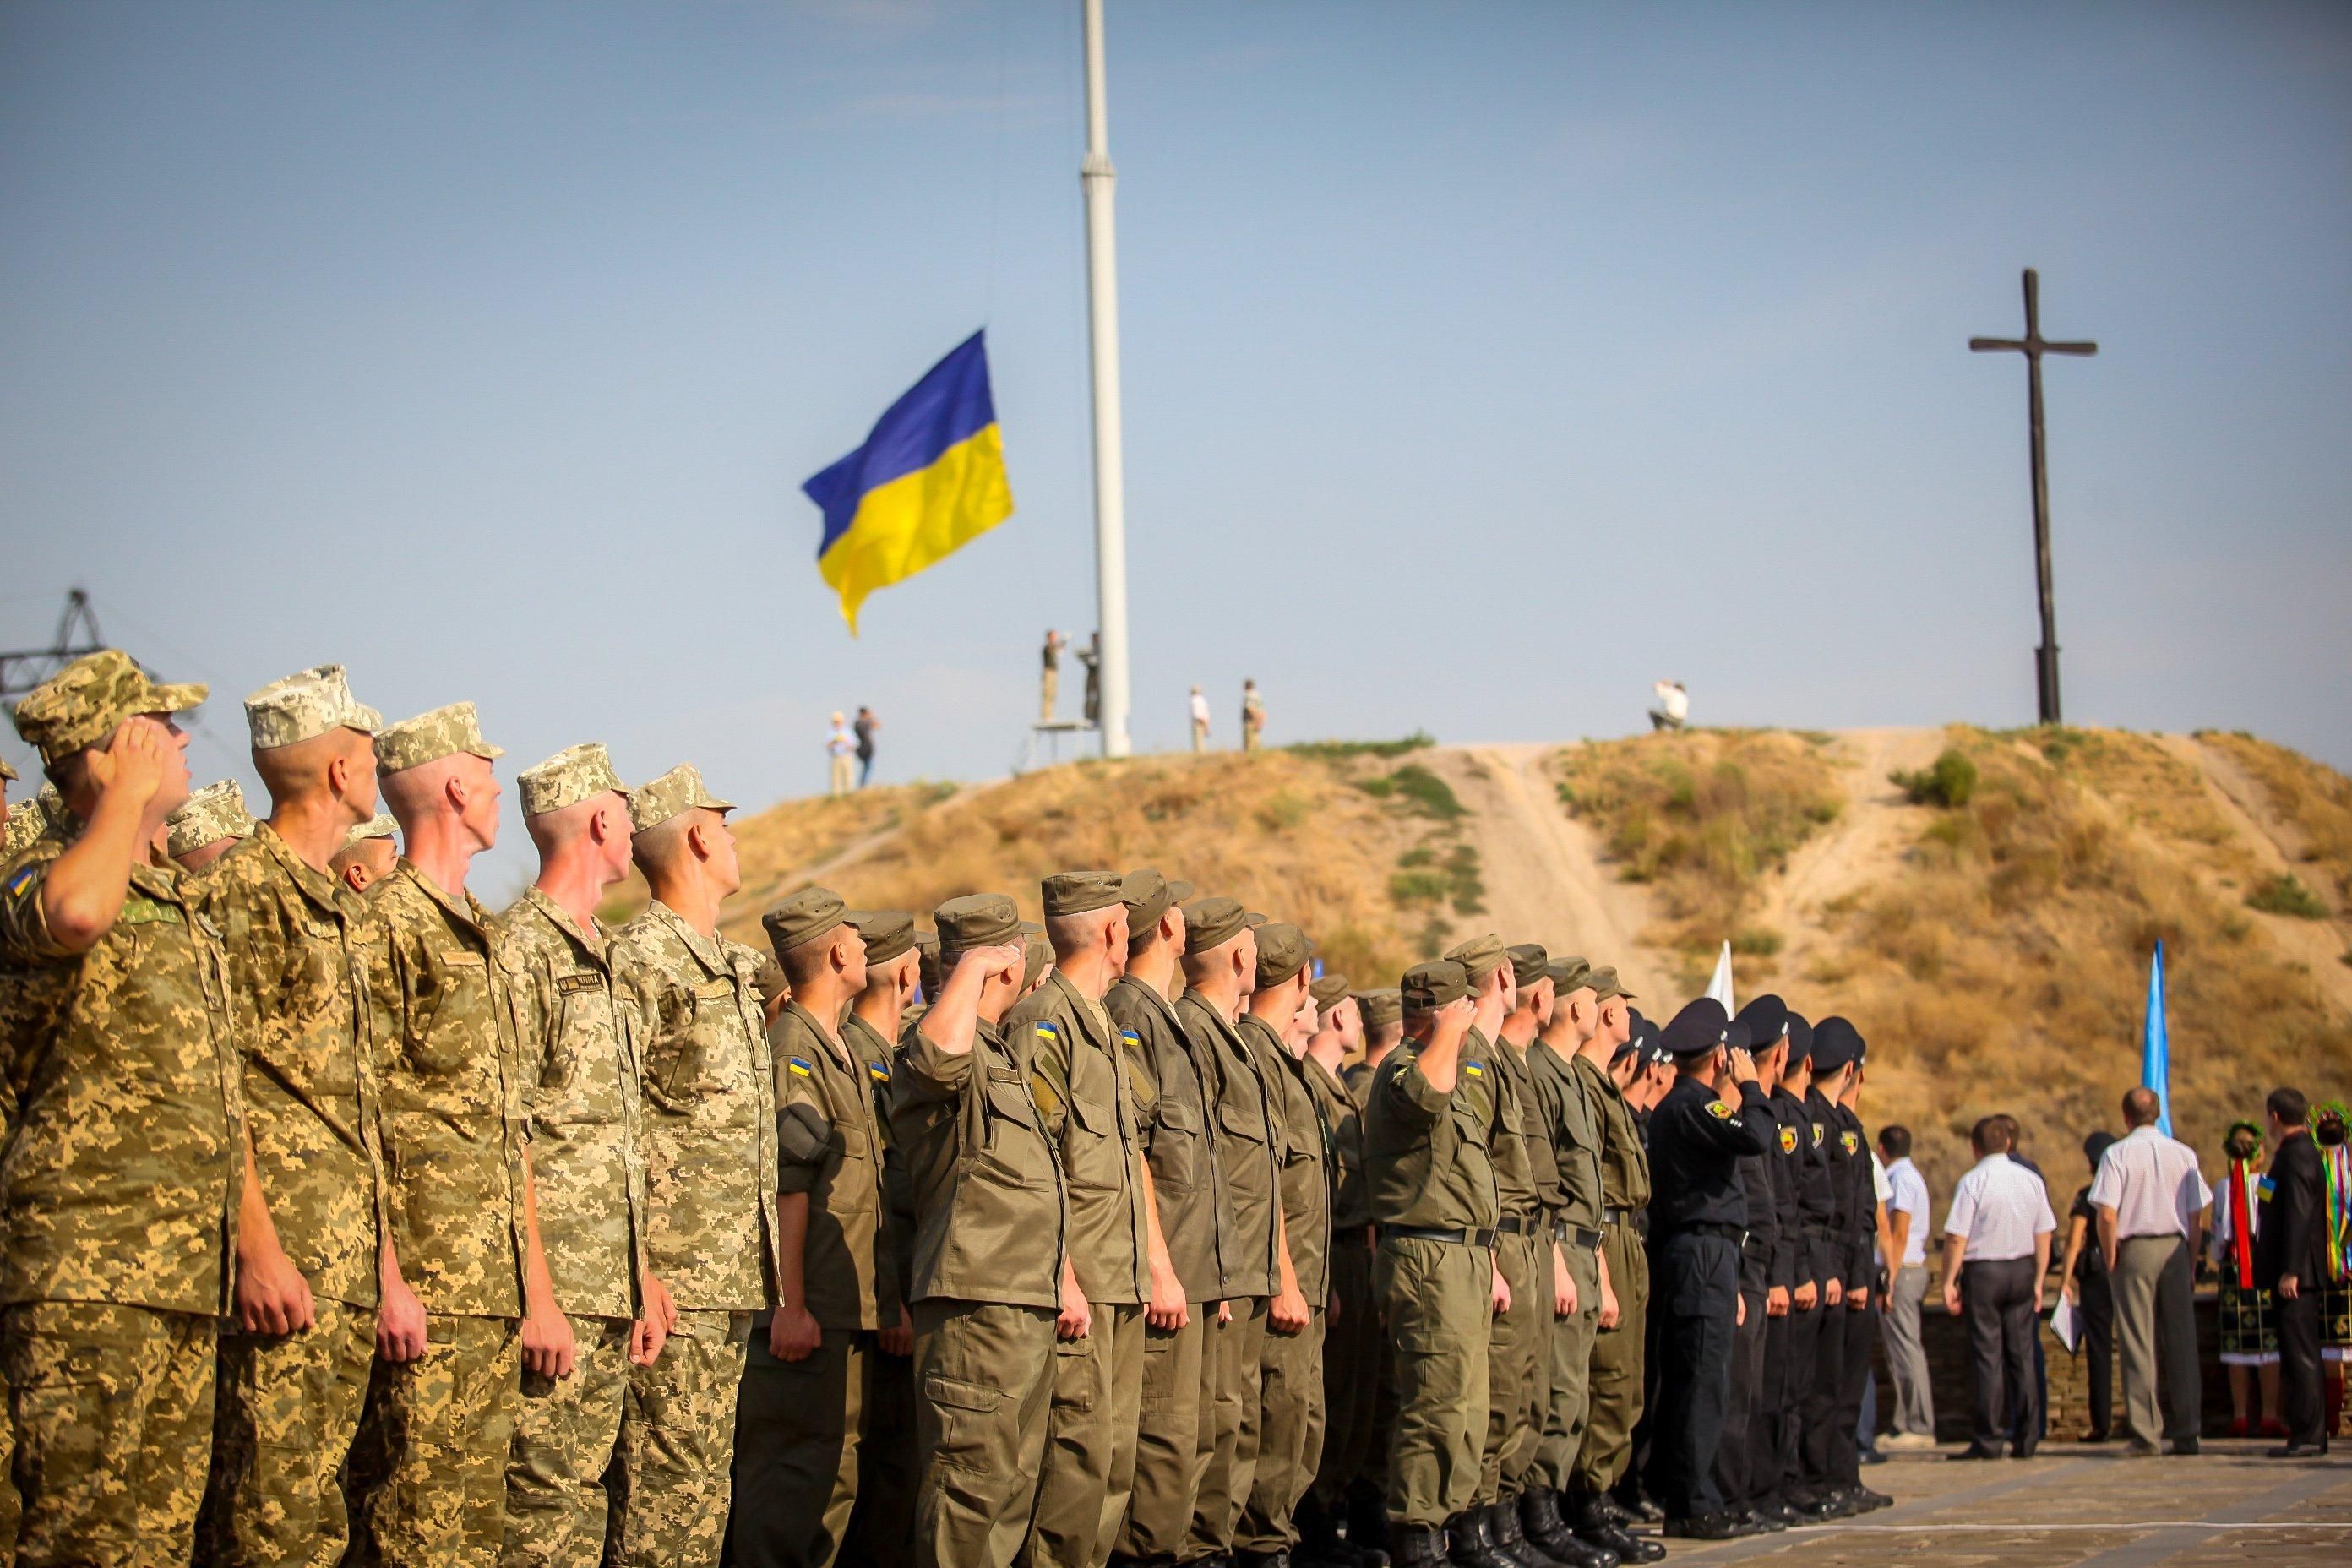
x: 1428, y: 986
x: 803, y: 917
x: 1529, y: 963
x: 1036, y: 956
x: 1081, y: 892
x: 214, y: 813
x: 307, y: 703
x: 1381, y: 1007
x: 1283, y: 951
x: 888, y: 933
x: 1328, y: 990
x: 1479, y: 957
x: 1211, y: 923
x: 80, y: 705
x: 573, y: 775
x: 1253, y: 919
x: 1570, y: 975
x: 1148, y: 895
x: 383, y: 825
x: 975, y: 919
x: 927, y: 943
x: 429, y: 737
x: 1604, y: 985
x: 769, y: 981
x: 677, y: 791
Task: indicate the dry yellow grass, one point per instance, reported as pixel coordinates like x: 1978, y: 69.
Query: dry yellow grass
x: 2314, y: 800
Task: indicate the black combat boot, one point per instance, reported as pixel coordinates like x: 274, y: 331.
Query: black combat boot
x: 1502, y: 1524
x: 1368, y: 1520
x: 1472, y: 1542
x: 1595, y: 1524
x: 1540, y: 1520
x: 1416, y: 1546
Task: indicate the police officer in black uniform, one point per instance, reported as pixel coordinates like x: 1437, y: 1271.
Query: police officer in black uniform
x: 1801, y: 1497
x: 1698, y: 1220
x: 1824, y: 1447
x: 1744, y: 1460
x: 1861, y: 1282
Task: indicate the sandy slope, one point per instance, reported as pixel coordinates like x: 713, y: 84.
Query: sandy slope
x: 1846, y: 855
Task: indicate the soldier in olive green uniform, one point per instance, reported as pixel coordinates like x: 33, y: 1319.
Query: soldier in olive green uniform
x: 1351, y: 1329
x: 1220, y: 967
x: 123, y: 1166
x: 1614, y: 1399
x: 802, y: 1413
x: 1382, y: 1012
x: 1077, y: 1069
x: 881, y: 1527
x: 211, y: 822
x: 1573, y: 1125
x: 1429, y: 1124
x: 710, y: 1123
x: 1173, y: 1094
x: 294, y: 1369
x: 578, y: 1069
x: 991, y: 1232
x: 1290, y: 1362
x: 440, y: 1417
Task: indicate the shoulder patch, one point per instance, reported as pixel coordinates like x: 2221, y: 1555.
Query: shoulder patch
x: 574, y: 985
x: 1719, y: 1110
x: 1788, y: 1140
x: 1848, y: 1139
x: 801, y: 1069
x: 1817, y: 1134
x: 1131, y: 1037
x: 878, y: 1071
x: 1047, y: 1031
x: 1476, y: 1070
x: 2267, y: 1186
x: 21, y: 880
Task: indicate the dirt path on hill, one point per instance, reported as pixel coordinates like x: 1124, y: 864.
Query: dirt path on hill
x: 2276, y: 845
x: 1869, y: 834
x: 1543, y: 871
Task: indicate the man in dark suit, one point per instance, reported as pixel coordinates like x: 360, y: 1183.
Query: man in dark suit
x: 2290, y: 1261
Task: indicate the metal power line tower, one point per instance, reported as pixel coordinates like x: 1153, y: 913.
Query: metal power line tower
x: 77, y: 634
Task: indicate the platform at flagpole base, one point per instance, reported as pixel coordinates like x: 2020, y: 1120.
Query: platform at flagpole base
x: 1043, y: 748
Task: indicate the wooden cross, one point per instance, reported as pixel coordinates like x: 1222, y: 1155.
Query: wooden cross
x: 2033, y: 345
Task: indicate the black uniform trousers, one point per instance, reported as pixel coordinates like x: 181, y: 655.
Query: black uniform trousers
x: 1697, y: 1297
x: 1821, y: 1397
x: 1804, y: 1349
x: 1860, y: 1338
x: 2297, y: 1323
x: 1745, y: 1456
x: 2095, y: 1311
x: 1772, y: 1446
x: 1998, y: 1298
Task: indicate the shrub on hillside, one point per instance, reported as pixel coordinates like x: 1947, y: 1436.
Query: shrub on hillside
x: 2284, y: 894
x: 1951, y: 781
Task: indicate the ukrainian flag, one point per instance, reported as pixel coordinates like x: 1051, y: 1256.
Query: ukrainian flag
x: 930, y: 479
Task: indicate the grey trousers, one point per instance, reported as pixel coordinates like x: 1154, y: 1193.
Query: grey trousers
x: 1907, y: 1358
x: 2156, y: 1326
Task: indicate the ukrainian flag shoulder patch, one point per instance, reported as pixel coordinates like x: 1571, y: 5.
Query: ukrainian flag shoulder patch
x: 878, y: 1071
x: 1131, y: 1037
x: 801, y: 1069
x: 1476, y: 1070
x: 18, y: 882
x: 1046, y: 1030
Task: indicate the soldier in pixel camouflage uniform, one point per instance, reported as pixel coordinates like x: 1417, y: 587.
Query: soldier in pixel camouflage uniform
x: 431, y: 1472
x: 577, y: 1065
x: 711, y: 1170
x: 122, y: 1171
x: 208, y: 824
x: 9, y: 1504
x: 28, y: 822
x: 370, y: 851
x: 295, y: 1365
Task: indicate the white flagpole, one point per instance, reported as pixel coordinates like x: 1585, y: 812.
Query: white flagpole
x: 1097, y: 178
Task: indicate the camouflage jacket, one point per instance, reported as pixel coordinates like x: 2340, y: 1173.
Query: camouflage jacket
x: 453, y: 1128
x: 576, y: 1063
x: 1077, y: 1073
x: 709, y: 1114
x: 295, y: 939
x: 122, y: 1172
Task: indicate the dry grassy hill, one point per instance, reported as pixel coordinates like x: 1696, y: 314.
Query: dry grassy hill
x: 1987, y: 921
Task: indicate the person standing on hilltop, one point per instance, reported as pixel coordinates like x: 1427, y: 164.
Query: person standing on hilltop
x: 1252, y: 716
x: 1198, y: 707
x: 1673, y: 711
x: 865, y: 729
x: 838, y: 749
x: 1049, y: 675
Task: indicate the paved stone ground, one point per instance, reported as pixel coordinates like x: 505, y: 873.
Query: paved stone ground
x: 2079, y: 1506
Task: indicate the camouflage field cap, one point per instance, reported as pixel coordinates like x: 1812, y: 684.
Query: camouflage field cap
x: 1282, y: 951
x: 1148, y: 895
x: 1328, y: 990
x: 380, y: 825
x: 1604, y: 985
x: 975, y: 919
x: 307, y: 703
x: 214, y: 813
x: 678, y: 790
x: 888, y: 933
x: 1529, y: 963
x: 1381, y: 1007
x: 573, y: 775
x: 429, y: 737
x: 1082, y: 892
x: 1211, y: 923
x: 1570, y: 975
x: 1479, y: 957
x: 805, y: 916
x: 1432, y: 986
x: 80, y: 705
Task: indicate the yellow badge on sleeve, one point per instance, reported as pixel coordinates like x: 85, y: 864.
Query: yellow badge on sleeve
x: 1719, y: 1110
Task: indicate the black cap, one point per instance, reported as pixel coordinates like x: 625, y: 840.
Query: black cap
x: 1766, y: 1018
x: 1835, y: 1044
x: 1698, y: 1028
x: 1800, y: 1040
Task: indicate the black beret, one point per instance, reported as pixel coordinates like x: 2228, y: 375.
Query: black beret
x: 1835, y: 1044
x: 1766, y: 1018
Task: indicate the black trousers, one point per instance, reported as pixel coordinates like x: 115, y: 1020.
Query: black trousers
x: 1745, y: 1453
x: 1998, y: 1299
x: 1695, y: 1299
x: 1773, y: 1441
x: 2095, y: 1311
x: 1804, y: 1362
x: 2299, y: 1371
x: 1860, y: 1338
x: 1820, y: 1393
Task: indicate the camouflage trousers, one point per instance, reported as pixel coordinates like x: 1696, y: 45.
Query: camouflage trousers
x: 430, y: 1470
x: 799, y: 1431
x: 10, y: 1507
x: 677, y: 1439
x: 287, y: 1415
x: 984, y: 1379
x: 565, y: 1432
x: 1290, y: 1437
x: 113, y: 1407
x: 1089, y: 1468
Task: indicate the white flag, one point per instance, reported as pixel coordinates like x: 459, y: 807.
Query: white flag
x: 1720, y: 986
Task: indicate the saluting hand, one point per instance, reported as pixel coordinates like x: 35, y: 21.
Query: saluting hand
x: 135, y: 762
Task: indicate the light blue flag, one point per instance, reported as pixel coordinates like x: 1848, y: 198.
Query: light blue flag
x: 2155, y: 1052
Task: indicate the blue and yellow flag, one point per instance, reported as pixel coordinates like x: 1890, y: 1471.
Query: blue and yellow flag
x: 930, y: 479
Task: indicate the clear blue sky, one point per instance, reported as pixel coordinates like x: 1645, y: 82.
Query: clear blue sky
x: 1483, y: 362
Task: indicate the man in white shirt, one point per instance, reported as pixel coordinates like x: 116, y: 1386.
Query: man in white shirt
x: 2150, y: 1200
x: 1996, y: 1255
x: 1906, y: 1357
x: 1200, y: 709
x: 1673, y: 711
x: 839, y: 747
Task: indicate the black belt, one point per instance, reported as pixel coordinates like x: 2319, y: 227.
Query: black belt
x: 1518, y: 1226
x: 1437, y: 1233
x: 1576, y: 1236
x: 1618, y: 1217
x: 1736, y: 1235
